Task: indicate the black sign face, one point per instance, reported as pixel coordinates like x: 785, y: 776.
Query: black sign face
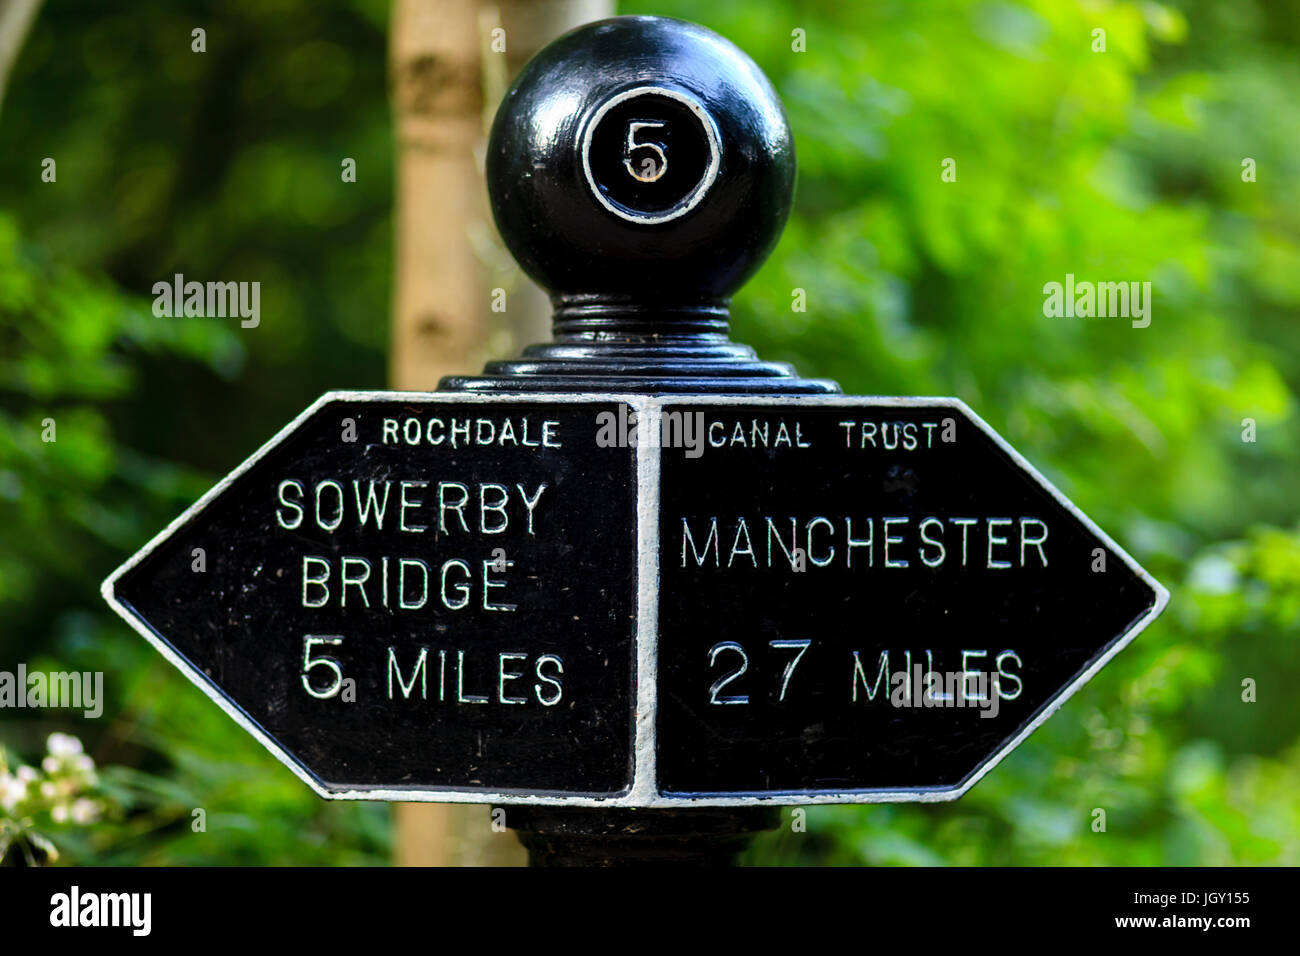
x: 867, y: 599
x: 636, y: 601
x: 414, y: 596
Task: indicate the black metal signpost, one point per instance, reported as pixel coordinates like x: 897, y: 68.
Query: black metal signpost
x: 638, y: 585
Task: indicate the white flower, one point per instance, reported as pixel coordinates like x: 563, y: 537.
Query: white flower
x: 60, y: 814
x: 26, y: 774
x: 48, y: 790
x: 50, y: 764
x: 63, y: 745
x: 85, y: 763
x: 13, y: 790
x: 84, y: 811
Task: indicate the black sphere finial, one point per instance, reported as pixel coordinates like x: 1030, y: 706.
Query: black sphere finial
x: 640, y: 169
x: 640, y: 159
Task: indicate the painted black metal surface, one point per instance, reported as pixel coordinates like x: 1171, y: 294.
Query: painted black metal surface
x: 673, y: 632
x: 821, y: 567
x: 640, y: 169
x: 579, y: 836
x: 512, y: 582
x: 487, y: 621
x: 550, y: 214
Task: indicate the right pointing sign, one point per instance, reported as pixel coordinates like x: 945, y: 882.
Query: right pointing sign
x: 867, y: 599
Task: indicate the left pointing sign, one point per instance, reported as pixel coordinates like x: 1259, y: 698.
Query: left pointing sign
x: 409, y: 596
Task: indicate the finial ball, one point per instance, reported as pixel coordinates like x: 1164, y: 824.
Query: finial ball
x: 640, y: 160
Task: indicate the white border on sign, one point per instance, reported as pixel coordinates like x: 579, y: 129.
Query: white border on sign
x: 643, y: 791
x: 693, y: 198
x: 645, y: 774
x: 201, y: 681
x: 922, y: 794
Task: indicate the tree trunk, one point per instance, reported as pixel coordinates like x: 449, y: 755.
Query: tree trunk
x: 16, y: 18
x: 448, y: 74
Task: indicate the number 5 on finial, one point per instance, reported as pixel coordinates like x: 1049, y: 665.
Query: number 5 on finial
x: 650, y: 170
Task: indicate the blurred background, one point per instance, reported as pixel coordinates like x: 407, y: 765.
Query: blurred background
x: 1127, y: 163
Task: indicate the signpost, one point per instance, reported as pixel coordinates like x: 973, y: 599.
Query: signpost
x: 414, y: 596
x: 867, y: 600
x: 638, y: 583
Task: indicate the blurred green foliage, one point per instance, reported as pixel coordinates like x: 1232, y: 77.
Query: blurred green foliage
x: 219, y: 165
x: 1122, y: 165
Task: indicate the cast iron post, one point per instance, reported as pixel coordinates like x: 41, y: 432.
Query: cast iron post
x: 640, y: 169
x: 742, y: 589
